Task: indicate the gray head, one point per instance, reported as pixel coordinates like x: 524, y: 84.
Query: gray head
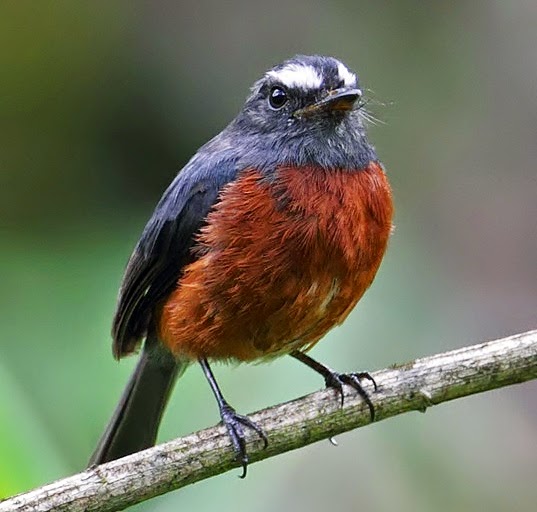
x: 305, y: 111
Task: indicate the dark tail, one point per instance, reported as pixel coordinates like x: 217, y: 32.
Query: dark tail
x: 135, y: 421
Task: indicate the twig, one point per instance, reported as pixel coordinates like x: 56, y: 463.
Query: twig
x: 412, y: 386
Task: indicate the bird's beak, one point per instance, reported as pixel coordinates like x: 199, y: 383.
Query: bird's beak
x: 335, y: 100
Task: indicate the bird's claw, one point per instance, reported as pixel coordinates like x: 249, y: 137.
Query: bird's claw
x: 235, y: 424
x: 336, y: 380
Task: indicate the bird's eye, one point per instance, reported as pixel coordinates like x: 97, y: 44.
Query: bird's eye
x: 277, y: 97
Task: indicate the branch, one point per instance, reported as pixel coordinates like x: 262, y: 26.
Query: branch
x: 409, y: 387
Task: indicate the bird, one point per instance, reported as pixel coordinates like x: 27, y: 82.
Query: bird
x: 264, y: 241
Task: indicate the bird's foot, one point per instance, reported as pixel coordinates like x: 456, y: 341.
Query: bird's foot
x: 336, y: 380
x: 235, y: 424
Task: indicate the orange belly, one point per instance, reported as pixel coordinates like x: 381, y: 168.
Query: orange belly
x: 280, y: 263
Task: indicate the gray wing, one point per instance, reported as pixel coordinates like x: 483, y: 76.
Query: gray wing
x: 165, y: 248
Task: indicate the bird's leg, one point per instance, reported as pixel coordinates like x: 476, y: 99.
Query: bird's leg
x: 233, y: 421
x: 336, y: 380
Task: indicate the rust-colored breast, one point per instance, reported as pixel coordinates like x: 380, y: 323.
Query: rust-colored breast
x: 281, y: 262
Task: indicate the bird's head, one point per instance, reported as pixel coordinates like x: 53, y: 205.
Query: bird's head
x: 306, y: 109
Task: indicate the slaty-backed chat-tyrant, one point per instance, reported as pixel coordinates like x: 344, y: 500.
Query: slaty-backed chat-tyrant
x: 264, y: 241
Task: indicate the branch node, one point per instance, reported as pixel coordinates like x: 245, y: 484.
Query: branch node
x: 427, y: 400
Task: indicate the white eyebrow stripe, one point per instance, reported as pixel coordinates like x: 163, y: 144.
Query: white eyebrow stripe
x: 349, y: 79
x: 297, y: 75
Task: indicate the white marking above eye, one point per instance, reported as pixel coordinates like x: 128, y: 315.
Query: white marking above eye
x: 349, y: 79
x: 297, y: 76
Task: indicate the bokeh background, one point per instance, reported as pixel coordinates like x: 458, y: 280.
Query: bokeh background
x: 102, y: 102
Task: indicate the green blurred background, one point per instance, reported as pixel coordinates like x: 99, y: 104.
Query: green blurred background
x: 102, y: 102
